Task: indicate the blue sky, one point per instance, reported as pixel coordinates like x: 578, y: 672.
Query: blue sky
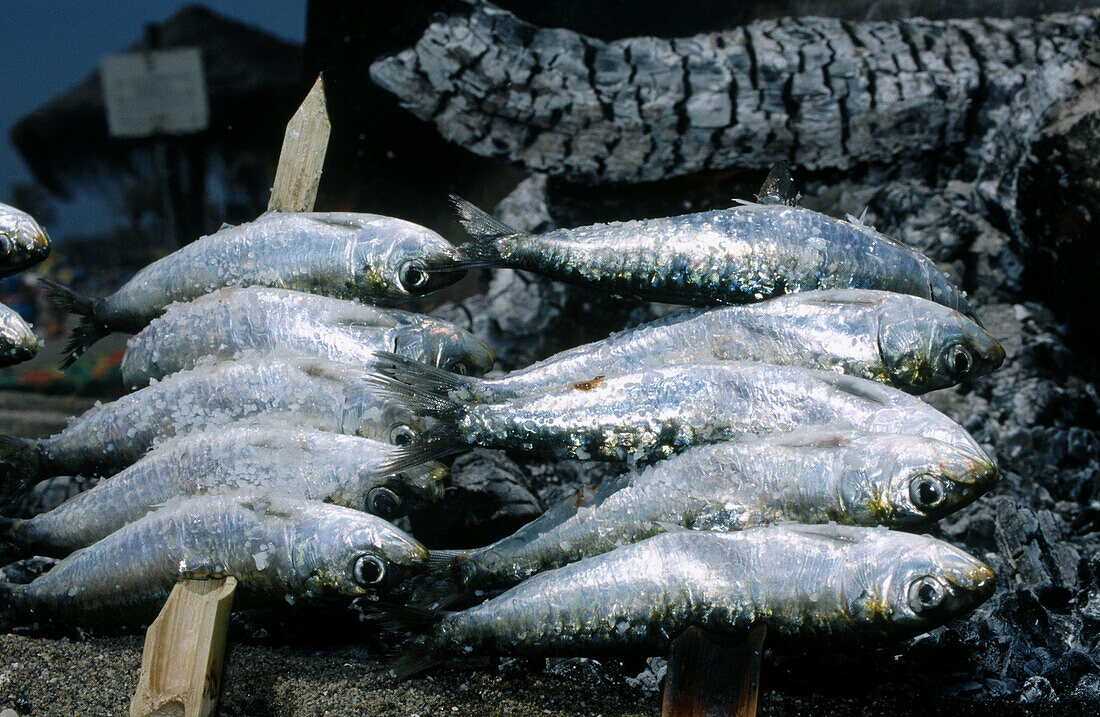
x: 51, y: 45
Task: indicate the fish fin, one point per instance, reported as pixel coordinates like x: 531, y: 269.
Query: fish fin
x: 413, y: 660
x: 858, y: 387
x: 778, y: 187
x: 438, y: 560
x: 88, y: 331
x: 419, y: 375
x: 428, y: 446
x: 825, y: 531
x: 484, y: 229
x: 744, y: 202
x: 831, y: 298
x: 440, y: 595
x: 226, y: 225
x: 19, y: 466
x: 334, y: 220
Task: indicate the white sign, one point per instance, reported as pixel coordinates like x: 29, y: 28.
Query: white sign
x: 156, y: 92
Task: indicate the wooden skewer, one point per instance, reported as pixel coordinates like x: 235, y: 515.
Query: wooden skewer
x: 713, y: 675
x: 303, y: 155
x: 181, y: 665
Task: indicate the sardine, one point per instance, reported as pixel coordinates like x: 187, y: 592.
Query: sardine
x: 316, y: 465
x: 278, y: 548
x: 365, y: 257
x: 903, y: 341
x: 803, y: 477
x: 311, y: 393
x: 650, y: 414
x: 233, y: 322
x: 739, y: 255
x: 23, y: 243
x: 17, y: 340
x: 809, y: 585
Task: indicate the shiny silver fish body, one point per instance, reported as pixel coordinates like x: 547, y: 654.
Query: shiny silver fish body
x: 278, y: 548
x: 731, y: 256
x: 316, y: 465
x: 803, y: 477
x: 350, y: 256
x: 232, y: 322
x: 23, y: 243
x: 312, y: 393
x: 903, y: 341
x: 823, y: 585
x: 654, y: 413
x: 17, y: 340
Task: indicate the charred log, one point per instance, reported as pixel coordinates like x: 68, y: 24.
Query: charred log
x: 819, y: 92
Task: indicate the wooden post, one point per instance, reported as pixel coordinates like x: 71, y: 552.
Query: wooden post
x: 181, y: 666
x: 303, y: 155
x: 713, y: 675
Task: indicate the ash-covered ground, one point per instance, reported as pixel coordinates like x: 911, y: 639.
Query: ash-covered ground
x: 1033, y: 648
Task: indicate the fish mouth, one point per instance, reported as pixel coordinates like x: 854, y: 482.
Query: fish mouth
x: 974, y: 584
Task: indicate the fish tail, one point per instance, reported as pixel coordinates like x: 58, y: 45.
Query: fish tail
x: 420, y: 655
x: 440, y: 561
x: 484, y: 229
x: 431, y: 445
x: 419, y: 375
x: 88, y: 331
x: 20, y: 467
x: 413, y: 660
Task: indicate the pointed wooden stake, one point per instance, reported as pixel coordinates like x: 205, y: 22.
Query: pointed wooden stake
x: 181, y: 666
x: 184, y: 647
x: 713, y: 675
x: 303, y: 155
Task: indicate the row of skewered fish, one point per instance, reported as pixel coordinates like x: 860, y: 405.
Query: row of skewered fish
x: 263, y: 393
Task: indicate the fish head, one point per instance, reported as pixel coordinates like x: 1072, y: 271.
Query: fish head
x: 906, y: 481
x: 899, y: 584
x: 925, y: 346
x: 405, y: 262
x: 23, y: 243
x: 17, y: 341
x: 447, y: 347
x: 369, y: 414
x: 368, y: 555
x: 390, y: 496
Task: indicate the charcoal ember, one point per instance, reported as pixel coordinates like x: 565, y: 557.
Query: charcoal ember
x: 489, y: 496
x: 1037, y: 689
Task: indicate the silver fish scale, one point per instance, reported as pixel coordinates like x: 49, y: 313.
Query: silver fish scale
x: 274, y: 545
x: 354, y: 256
x: 23, y: 243
x: 658, y: 411
x: 835, y: 330
x: 730, y: 256
x: 309, y: 392
x: 17, y: 340
x: 803, y: 477
x: 805, y: 584
x: 315, y: 465
x: 234, y: 321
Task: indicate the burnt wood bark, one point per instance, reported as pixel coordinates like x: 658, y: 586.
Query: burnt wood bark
x: 820, y: 92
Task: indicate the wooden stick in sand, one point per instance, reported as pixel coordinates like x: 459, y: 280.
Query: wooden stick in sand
x: 181, y: 666
x: 713, y: 675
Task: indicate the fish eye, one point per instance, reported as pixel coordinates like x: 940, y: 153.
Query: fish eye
x: 368, y: 570
x: 6, y: 245
x: 413, y: 277
x: 960, y: 361
x: 926, y: 492
x: 926, y: 594
x: 402, y: 435
x: 383, y: 502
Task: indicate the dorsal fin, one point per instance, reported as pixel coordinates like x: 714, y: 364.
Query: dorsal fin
x: 226, y: 225
x: 778, y: 187
x: 827, y: 531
